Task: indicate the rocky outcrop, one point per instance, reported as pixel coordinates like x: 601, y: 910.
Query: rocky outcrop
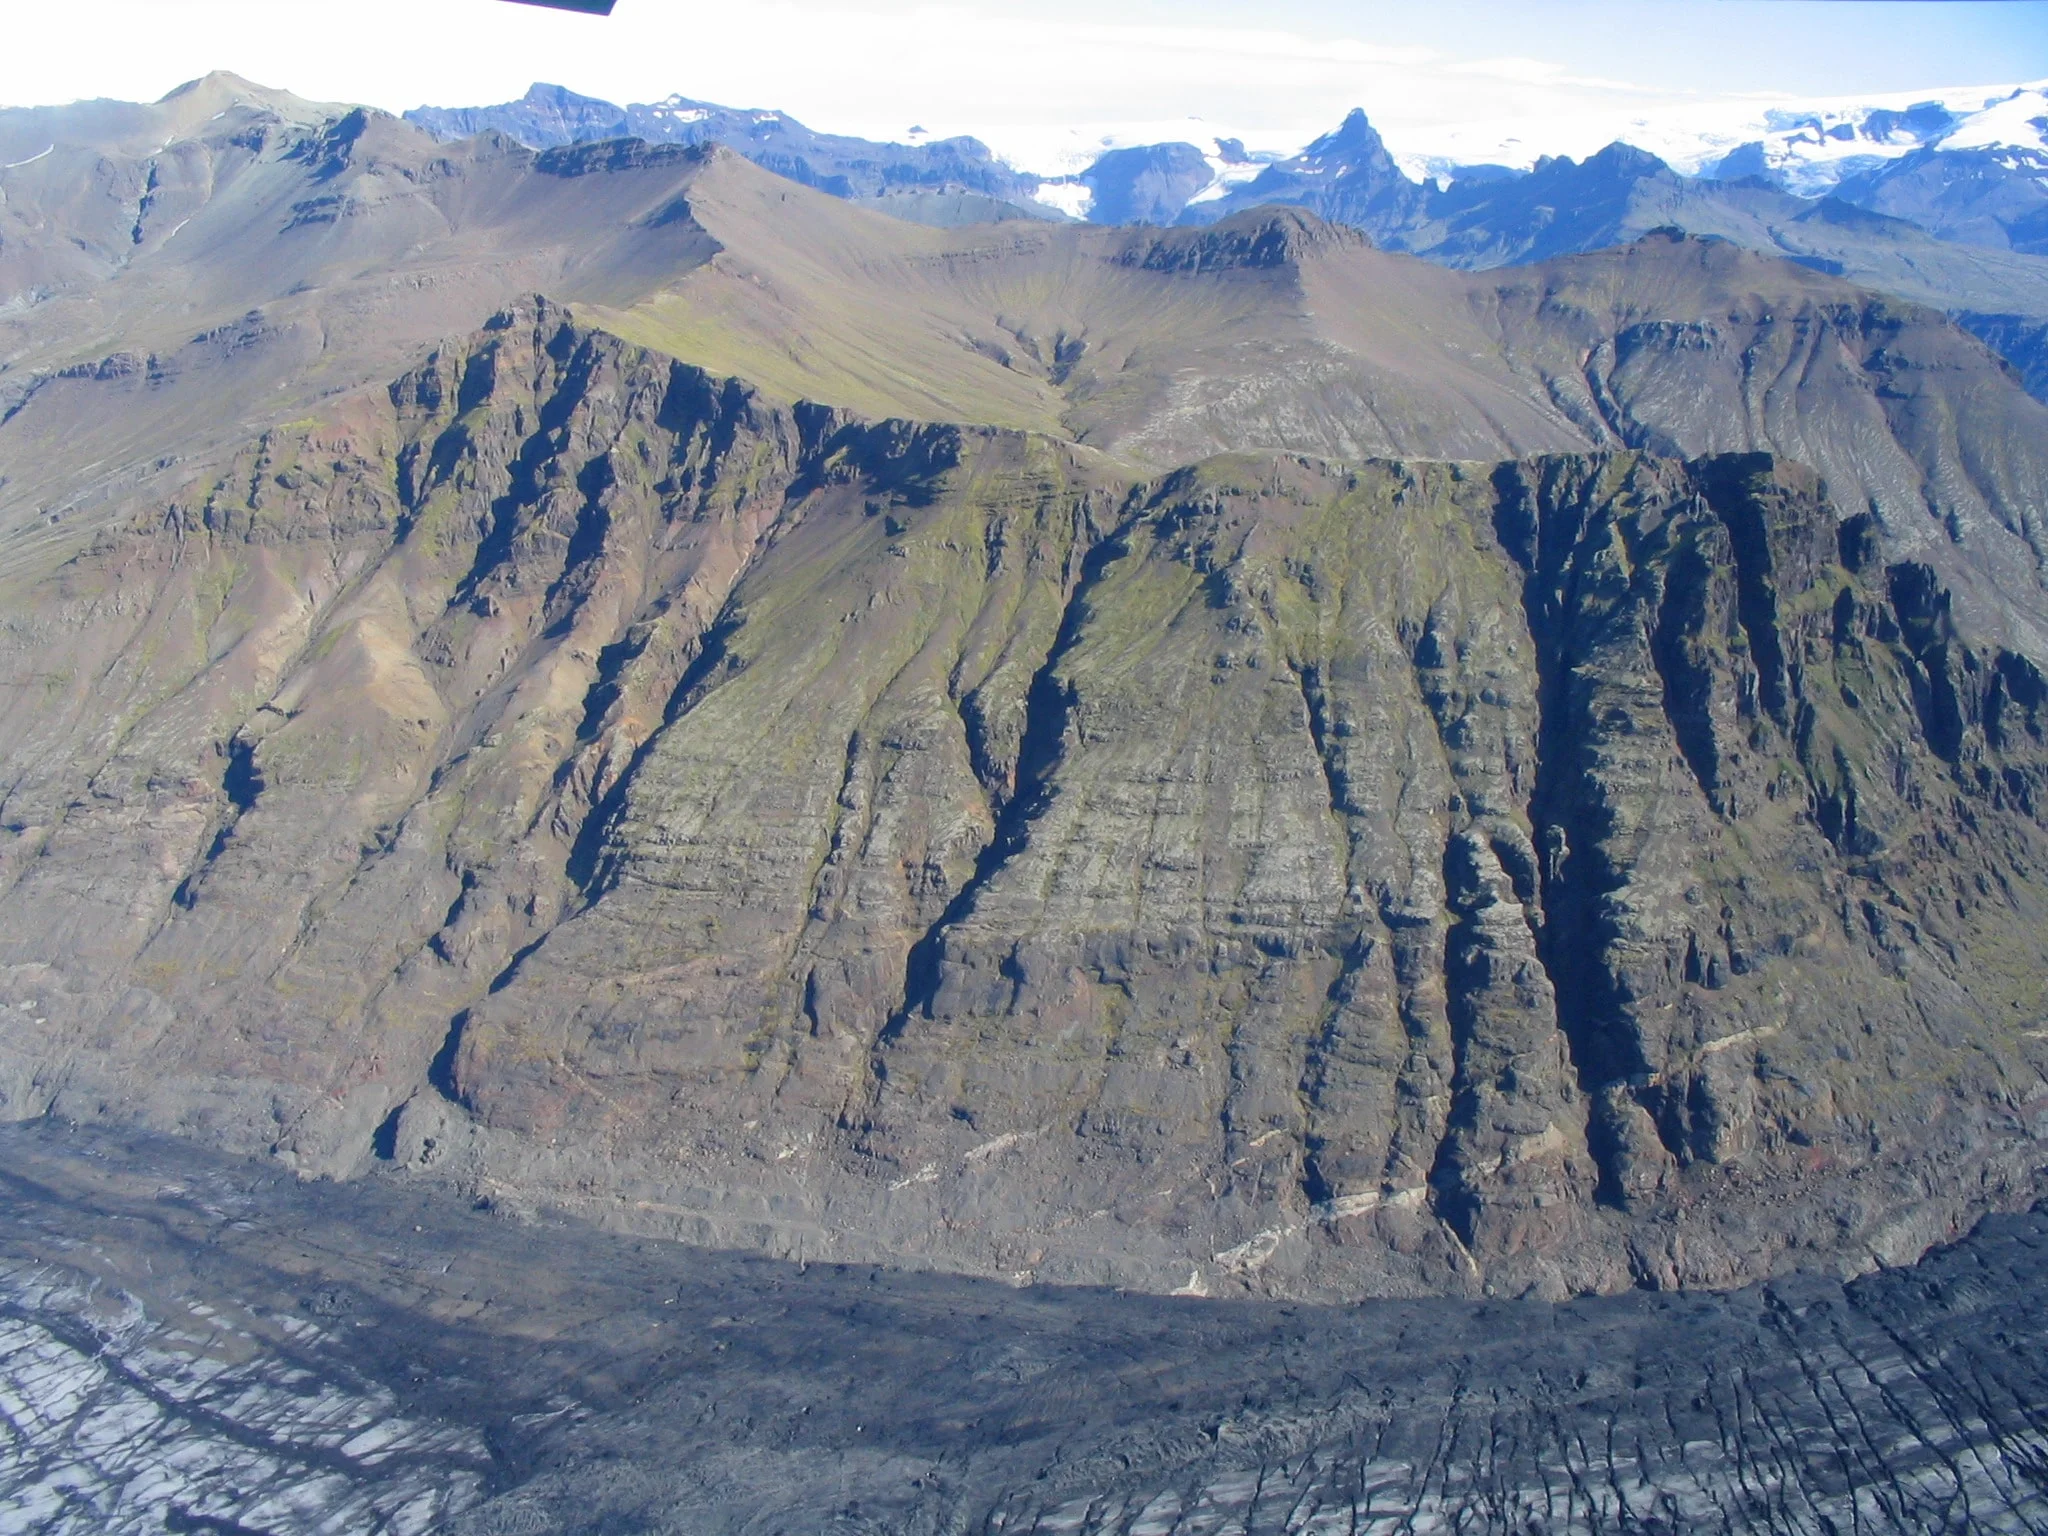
x: 577, y: 776
x: 1993, y: 196
x: 1346, y: 175
x: 1145, y: 185
x: 1447, y: 856
x: 353, y: 615
x: 2020, y: 339
x: 1265, y: 238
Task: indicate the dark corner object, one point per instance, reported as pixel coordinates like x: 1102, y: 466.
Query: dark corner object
x: 591, y: 7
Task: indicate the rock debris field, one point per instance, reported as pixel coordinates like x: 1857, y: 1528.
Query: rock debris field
x: 192, y: 1343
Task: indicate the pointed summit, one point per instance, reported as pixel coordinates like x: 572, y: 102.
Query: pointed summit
x: 219, y: 81
x: 1354, y: 140
x: 1347, y: 176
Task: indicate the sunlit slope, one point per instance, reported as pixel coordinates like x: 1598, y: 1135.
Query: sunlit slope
x: 815, y: 299
x: 1276, y: 331
x: 1152, y: 346
x: 263, y: 257
x: 173, y: 280
x: 587, y: 778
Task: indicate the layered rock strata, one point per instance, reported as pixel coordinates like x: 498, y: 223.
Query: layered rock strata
x: 584, y: 778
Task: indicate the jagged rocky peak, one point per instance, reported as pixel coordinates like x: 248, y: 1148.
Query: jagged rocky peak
x: 1347, y: 175
x: 1354, y: 141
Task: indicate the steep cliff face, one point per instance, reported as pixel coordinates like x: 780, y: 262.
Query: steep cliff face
x: 331, y: 718
x: 575, y: 775
x: 1460, y: 864
x: 177, y: 279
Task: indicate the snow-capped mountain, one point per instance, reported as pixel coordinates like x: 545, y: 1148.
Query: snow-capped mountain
x: 1808, y: 147
x: 1813, y: 150
x: 909, y: 173
x: 1969, y: 164
x: 1807, y: 144
x: 1153, y: 182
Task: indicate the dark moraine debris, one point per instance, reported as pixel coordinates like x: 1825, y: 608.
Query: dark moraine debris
x: 194, y: 1343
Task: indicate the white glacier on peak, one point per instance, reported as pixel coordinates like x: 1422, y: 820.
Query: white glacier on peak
x: 2018, y: 122
x: 1812, y: 151
x: 1228, y: 175
x: 1068, y: 151
x: 1807, y: 144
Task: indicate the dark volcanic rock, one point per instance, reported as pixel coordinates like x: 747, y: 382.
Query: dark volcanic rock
x: 1994, y: 197
x: 191, y: 1344
x: 1148, y: 185
x: 1228, y: 760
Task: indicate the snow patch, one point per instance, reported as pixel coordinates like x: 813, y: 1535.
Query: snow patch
x: 1250, y: 1256
x: 1067, y: 195
x: 928, y: 1174
x: 1228, y: 177
x: 2018, y: 122
x: 997, y: 1145
x: 1809, y: 143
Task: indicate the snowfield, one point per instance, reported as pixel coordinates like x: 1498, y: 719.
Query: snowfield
x: 1809, y: 144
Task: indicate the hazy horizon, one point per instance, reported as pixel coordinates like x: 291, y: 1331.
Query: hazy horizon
x: 1031, y: 81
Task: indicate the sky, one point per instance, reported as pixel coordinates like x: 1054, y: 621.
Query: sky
x: 1051, y: 80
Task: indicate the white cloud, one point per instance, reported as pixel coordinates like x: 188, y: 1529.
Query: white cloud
x: 868, y: 69
x: 1049, y: 92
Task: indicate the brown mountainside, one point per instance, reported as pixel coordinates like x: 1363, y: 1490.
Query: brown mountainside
x: 1222, y: 758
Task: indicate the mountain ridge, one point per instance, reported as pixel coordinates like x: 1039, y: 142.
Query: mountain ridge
x: 1218, y: 759
x: 903, y: 177
x: 1958, y: 204
x: 485, y: 1133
